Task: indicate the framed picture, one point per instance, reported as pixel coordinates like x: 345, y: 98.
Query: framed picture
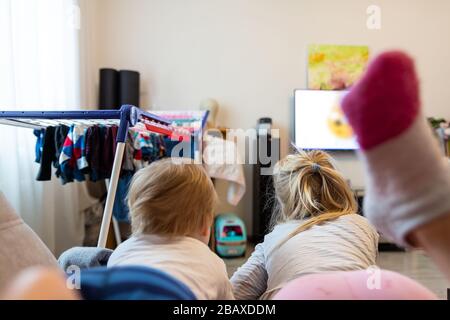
x: 335, y: 67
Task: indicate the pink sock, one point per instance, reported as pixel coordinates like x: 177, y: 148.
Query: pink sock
x: 385, y: 102
x: 408, y: 180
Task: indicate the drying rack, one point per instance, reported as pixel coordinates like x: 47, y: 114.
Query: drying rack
x: 127, y: 117
x: 195, y: 122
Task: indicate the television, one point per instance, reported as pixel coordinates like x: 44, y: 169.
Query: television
x: 320, y: 122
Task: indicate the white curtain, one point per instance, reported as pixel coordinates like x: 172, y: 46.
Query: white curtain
x: 39, y: 70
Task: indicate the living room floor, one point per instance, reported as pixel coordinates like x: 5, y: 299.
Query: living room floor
x: 414, y: 264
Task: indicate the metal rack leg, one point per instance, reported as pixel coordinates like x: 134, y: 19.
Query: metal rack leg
x: 115, y: 223
x: 117, y: 233
x: 107, y: 213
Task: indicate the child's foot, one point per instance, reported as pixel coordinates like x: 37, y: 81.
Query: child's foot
x: 408, y: 180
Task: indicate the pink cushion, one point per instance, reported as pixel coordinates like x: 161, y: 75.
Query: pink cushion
x: 355, y: 285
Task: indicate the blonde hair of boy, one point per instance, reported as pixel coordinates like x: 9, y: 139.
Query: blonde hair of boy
x: 307, y: 186
x: 171, y: 198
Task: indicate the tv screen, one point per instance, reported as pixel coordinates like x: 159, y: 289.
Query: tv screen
x: 320, y: 122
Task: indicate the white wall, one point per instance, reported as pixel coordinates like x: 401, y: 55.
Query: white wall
x: 251, y: 54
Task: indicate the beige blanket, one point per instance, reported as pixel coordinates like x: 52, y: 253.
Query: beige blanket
x: 20, y: 247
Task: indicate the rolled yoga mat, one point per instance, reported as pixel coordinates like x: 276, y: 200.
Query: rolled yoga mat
x: 109, y: 89
x: 129, y: 87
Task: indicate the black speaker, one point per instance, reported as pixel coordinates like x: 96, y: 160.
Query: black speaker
x: 263, y: 189
x: 109, y: 89
x: 118, y: 88
x: 129, y: 88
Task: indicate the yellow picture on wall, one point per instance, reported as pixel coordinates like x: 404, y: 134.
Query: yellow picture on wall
x: 335, y: 67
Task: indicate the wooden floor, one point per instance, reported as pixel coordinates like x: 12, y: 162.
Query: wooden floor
x: 412, y: 264
x: 416, y: 266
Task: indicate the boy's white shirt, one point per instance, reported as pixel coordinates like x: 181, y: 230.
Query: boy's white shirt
x: 186, y: 259
x: 345, y: 244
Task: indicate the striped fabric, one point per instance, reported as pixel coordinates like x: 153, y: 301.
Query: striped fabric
x: 73, y: 155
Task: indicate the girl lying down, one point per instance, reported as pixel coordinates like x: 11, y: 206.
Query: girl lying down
x: 316, y: 229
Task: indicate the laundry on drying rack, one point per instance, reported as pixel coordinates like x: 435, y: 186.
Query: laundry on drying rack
x: 61, y: 133
x: 69, y: 149
x: 94, y: 147
x: 108, y: 152
x: 72, y: 160
x: 46, y: 154
x: 39, y: 133
x: 128, y: 157
x: 81, y: 152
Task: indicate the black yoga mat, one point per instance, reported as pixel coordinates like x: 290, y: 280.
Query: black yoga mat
x: 129, y: 87
x: 109, y: 89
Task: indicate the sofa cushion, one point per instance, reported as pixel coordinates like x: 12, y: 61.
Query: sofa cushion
x: 20, y: 247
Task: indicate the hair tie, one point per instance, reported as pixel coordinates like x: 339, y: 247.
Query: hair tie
x: 315, y: 167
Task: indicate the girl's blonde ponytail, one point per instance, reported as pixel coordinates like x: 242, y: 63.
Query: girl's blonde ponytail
x: 307, y: 186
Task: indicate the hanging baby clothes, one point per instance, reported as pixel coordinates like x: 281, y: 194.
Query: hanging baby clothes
x: 128, y: 157
x: 77, y: 151
x: 39, y: 133
x: 140, y: 141
x: 157, y: 150
x: 120, y: 208
x: 49, y: 145
x: 72, y: 160
x: 94, y: 147
x: 47, y: 155
x: 60, y: 137
x: 108, y: 152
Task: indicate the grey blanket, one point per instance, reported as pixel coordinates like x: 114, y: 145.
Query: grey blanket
x: 84, y: 257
